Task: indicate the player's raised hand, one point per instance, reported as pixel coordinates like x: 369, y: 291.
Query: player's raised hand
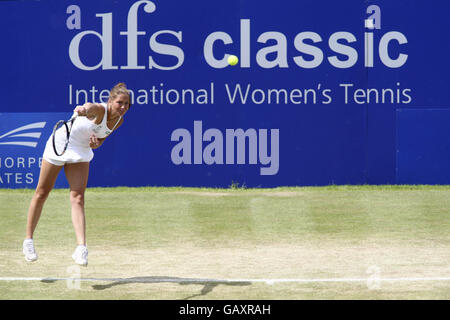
x: 81, y: 110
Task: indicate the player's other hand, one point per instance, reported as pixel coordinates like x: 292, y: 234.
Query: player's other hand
x: 94, y: 142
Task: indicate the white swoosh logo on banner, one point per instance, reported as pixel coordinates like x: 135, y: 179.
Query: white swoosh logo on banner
x: 37, y: 135
x: 21, y: 143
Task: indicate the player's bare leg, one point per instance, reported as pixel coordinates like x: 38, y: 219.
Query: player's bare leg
x: 47, y: 179
x: 77, y: 176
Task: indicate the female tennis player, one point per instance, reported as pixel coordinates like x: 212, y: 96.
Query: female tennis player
x: 95, y: 122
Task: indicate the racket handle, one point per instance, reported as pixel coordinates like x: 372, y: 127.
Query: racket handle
x: 75, y: 114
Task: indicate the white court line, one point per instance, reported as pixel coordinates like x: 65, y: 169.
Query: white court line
x: 188, y: 280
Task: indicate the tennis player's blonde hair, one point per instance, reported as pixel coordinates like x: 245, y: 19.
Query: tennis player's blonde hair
x: 120, y: 88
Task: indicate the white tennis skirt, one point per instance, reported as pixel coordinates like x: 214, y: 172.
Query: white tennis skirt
x: 73, y: 154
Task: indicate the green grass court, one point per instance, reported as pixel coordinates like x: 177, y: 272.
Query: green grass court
x: 337, y: 242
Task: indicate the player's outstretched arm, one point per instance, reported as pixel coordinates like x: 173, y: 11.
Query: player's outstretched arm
x: 90, y: 110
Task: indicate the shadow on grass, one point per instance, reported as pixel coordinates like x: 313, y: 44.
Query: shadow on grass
x: 208, y: 284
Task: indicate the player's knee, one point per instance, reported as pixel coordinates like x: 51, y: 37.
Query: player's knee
x: 41, y: 194
x: 77, y: 198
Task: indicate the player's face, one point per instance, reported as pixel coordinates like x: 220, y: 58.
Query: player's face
x: 120, y: 104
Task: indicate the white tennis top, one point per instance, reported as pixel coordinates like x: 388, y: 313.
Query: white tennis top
x: 78, y: 149
x: 101, y: 130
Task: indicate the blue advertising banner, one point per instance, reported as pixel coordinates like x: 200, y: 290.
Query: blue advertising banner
x: 22, y: 141
x: 423, y: 146
x: 312, y: 99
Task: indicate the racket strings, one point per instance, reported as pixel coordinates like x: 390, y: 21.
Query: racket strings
x: 61, y: 135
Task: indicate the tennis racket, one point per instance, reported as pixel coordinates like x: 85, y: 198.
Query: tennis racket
x: 63, y: 127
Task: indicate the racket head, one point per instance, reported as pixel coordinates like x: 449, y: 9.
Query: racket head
x: 60, y: 143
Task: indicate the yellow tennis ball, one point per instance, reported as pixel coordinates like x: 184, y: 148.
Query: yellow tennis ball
x: 232, y: 60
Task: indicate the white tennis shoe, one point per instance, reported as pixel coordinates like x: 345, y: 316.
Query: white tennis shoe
x: 29, y: 251
x: 81, y: 255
